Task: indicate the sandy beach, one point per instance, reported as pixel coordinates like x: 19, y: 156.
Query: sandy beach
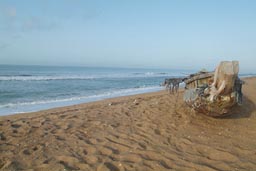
x: 154, y: 131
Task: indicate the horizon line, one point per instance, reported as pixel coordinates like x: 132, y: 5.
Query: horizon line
x: 121, y: 67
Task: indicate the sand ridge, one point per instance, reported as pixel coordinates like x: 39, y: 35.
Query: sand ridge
x: 154, y: 131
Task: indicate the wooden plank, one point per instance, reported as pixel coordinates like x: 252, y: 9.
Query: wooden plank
x: 199, y: 77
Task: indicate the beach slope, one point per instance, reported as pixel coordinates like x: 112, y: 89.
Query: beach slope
x: 154, y: 131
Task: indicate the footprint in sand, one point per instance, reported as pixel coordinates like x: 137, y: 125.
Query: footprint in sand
x: 157, y: 131
x: 15, y: 125
x: 108, y: 166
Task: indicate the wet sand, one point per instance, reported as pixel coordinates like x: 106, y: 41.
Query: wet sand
x: 154, y: 131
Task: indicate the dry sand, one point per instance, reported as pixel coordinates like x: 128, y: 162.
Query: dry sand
x: 154, y: 131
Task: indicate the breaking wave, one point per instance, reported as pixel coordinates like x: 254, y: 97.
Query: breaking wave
x: 21, y: 107
x: 77, y: 77
x: 43, y: 78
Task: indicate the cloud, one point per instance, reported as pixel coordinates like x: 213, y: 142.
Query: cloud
x: 13, y: 21
x: 11, y: 12
x: 8, y: 18
x: 8, y: 11
x: 4, y: 45
x: 31, y: 23
x: 36, y: 23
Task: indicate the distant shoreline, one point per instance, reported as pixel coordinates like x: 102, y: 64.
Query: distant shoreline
x: 54, y: 105
x: 34, y: 88
x: 161, y: 89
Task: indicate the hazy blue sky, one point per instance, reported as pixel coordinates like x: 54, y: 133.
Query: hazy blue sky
x: 134, y: 33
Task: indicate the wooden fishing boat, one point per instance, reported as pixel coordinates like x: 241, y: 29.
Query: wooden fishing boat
x: 214, y: 93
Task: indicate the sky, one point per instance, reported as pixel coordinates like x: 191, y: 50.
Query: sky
x: 187, y: 34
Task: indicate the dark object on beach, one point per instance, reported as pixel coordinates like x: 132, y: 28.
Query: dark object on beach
x: 214, y: 93
x: 172, y: 84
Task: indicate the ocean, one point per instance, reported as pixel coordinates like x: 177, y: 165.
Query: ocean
x: 34, y: 88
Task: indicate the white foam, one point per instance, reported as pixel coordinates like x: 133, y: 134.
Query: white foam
x: 44, y: 78
x: 22, y: 107
x: 83, y: 77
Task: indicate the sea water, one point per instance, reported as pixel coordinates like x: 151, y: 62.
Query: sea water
x: 34, y: 88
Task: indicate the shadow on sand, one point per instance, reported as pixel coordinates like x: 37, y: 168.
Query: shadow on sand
x: 243, y: 111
